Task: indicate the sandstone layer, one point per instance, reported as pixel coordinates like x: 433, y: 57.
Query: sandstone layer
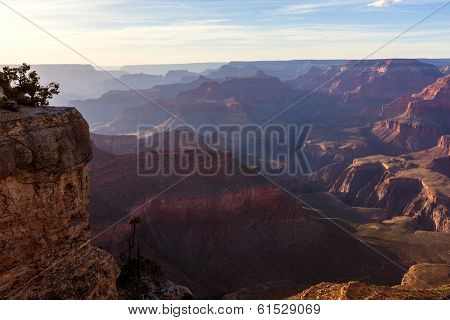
x: 421, y: 282
x: 412, y: 185
x: 445, y: 70
x: 363, y: 81
x: 355, y: 290
x: 426, y: 118
x: 217, y: 234
x: 44, y: 228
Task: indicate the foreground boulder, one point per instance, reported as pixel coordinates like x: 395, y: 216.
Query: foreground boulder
x: 44, y: 229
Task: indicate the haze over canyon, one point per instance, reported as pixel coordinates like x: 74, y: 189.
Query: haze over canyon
x: 370, y: 221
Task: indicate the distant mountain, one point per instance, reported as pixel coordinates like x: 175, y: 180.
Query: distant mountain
x: 348, y: 94
x: 161, y: 69
x: 235, y: 101
x: 369, y: 82
x: 436, y: 62
x: 124, y: 82
x: 426, y: 118
x: 284, y: 70
x: 76, y: 81
x: 110, y: 105
x: 414, y: 185
x: 258, y: 86
x: 142, y: 81
x: 445, y: 70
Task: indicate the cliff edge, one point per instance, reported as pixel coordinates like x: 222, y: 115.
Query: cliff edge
x: 44, y: 229
x: 422, y: 282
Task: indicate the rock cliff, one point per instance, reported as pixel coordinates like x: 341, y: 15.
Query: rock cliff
x: 445, y: 70
x: 427, y: 117
x: 412, y: 185
x: 217, y: 234
x: 44, y: 229
x: 377, y: 80
x: 421, y: 282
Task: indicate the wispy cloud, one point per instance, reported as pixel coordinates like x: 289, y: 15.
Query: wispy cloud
x: 383, y: 3
x: 114, y: 32
x: 305, y: 8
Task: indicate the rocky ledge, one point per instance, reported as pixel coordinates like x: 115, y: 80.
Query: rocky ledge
x: 44, y: 229
x: 421, y: 282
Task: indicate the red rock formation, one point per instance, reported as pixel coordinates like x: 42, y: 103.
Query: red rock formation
x: 216, y: 234
x: 233, y: 194
x: 426, y: 118
x: 421, y: 282
x: 445, y: 70
x: 106, y: 114
x: 44, y: 228
x: 370, y: 81
x: 426, y: 276
x: 443, y: 147
x: 235, y: 101
x: 355, y: 290
x: 406, y: 185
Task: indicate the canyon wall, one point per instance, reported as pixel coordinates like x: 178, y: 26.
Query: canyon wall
x: 425, y: 119
x: 44, y: 228
x: 414, y: 185
x: 218, y: 234
x: 423, y: 281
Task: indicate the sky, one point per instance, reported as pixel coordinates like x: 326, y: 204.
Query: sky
x: 119, y: 32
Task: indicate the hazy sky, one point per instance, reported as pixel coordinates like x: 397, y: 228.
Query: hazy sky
x: 117, y: 32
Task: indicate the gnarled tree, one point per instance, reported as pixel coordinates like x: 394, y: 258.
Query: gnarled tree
x: 21, y: 86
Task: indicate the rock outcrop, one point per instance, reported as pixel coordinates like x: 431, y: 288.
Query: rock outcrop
x: 427, y: 117
x: 407, y: 185
x: 422, y: 282
x: 355, y: 93
x: 426, y: 276
x: 44, y: 228
x: 373, y: 80
x: 445, y: 70
x: 355, y: 290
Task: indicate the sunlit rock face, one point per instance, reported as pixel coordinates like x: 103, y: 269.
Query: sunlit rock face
x: 377, y: 80
x: 425, y: 281
x: 44, y: 227
x: 414, y: 185
x: 426, y: 119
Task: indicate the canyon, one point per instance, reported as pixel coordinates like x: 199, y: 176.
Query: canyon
x: 365, y: 184
x: 209, y: 226
x: 409, y: 185
x: 354, y: 94
x: 370, y: 222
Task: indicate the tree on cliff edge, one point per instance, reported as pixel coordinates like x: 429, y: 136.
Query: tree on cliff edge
x: 21, y: 86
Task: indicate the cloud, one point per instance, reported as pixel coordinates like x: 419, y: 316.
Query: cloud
x: 383, y: 3
x: 309, y: 7
x: 112, y: 32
